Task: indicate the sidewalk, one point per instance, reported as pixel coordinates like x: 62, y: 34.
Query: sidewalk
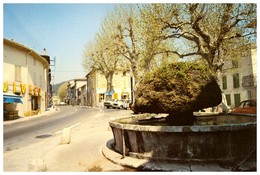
x: 21, y: 119
x: 82, y: 154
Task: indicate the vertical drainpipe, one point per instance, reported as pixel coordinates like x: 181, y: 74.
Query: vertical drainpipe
x: 27, y: 83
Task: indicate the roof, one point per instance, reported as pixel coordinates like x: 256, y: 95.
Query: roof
x: 26, y: 49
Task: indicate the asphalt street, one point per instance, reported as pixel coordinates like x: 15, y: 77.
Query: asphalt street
x: 39, y: 140
x: 21, y: 134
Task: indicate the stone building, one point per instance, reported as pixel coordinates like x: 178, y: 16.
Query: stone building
x: 238, y: 78
x: 25, y: 77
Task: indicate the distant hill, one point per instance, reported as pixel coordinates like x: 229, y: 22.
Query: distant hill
x: 55, y: 87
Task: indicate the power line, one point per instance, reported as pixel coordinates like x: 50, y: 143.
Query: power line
x: 17, y: 25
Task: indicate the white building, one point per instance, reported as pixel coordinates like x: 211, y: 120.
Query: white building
x: 25, y: 74
x: 238, y: 78
x: 97, y: 87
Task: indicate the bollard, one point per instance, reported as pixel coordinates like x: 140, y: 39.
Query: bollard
x: 66, y: 136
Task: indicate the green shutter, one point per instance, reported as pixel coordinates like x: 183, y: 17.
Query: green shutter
x: 224, y: 82
x: 237, y: 99
x: 228, y: 98
x: 236, y: 81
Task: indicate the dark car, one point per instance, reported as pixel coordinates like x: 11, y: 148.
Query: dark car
x: 247, y: 107
x: 108, y: 104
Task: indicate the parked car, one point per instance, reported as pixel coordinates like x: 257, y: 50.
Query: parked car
x: 247, y: 107
x: 120, y: 104
x: 62, y: 104
x: 108, y: 104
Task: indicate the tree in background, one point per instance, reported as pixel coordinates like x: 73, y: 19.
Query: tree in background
x: 211, y: 32
x: 138, y: 42
x: 62, y: 91
x: 101, y: 54
x: 149, y: 35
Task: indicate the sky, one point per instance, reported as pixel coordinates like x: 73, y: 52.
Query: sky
x: 63, y: 29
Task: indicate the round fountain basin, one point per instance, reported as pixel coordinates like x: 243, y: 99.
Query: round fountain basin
x: 213, y: 139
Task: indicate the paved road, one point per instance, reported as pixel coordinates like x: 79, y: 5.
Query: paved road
x: 22, y: 148
x: 21, y: 134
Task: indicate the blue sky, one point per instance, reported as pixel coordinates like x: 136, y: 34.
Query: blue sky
x: 63, y: 29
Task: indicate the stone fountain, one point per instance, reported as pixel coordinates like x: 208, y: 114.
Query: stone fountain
x: 163, y: 127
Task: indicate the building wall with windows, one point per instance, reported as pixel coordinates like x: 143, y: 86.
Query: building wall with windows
x: 25, y: 74
x: 74, y: 91
x: 82, y: 95
x: 238, y: 78
x: 97, y: 87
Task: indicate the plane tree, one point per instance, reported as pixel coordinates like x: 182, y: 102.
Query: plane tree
x: 100, y: 55
x: 211, y: 32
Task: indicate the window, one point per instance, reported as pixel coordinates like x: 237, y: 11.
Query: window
x: 249, y: 94
x: 101, y: 97
x: 18, y: 73
x: 234, y: 63
x: 236, y: 81
x: 228, y: 98
x: 224, y: 82
x: 237, y: 99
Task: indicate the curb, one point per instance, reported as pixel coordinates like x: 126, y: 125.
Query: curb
x: 149, y: 165
x: 23, y: 119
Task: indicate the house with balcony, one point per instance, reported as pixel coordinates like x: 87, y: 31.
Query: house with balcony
x: 238, y: 78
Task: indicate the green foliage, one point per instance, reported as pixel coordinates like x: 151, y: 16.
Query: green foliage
x: 62, y: 91
x: 179, y: 71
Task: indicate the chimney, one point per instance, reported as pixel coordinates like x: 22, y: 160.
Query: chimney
x: 44, y: 52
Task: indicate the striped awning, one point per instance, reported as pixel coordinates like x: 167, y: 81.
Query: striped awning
x: 8, y: 98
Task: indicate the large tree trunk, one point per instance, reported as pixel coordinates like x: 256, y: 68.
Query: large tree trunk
x: 109, y: 78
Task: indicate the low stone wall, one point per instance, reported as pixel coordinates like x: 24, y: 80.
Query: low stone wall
x: 211, y: 143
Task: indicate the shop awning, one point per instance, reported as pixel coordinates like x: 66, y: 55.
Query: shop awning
x: 8, y: 98
x: 110, y: 92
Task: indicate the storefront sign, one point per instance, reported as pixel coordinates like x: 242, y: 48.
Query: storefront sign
x: 23, y: 88
x: 33, y: 90
x: 19, y: 87
x: 5, y: 86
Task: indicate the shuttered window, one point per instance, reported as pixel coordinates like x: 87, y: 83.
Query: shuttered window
x: 224, y: 82
x: 236, y: 81
x: 18, y: 73
x: 237, y: 99
x: 228, y: 98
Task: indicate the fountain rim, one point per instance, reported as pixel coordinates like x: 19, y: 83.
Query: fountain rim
x: 185, y: 128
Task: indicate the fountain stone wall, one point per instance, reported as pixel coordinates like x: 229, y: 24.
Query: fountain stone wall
x: 229, y: 142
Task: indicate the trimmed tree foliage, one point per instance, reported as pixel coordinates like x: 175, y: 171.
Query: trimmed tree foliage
x: 178, y: 89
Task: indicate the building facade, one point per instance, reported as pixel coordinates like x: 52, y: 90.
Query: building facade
x: 238, y: 78
x: 76, y: 95
x: 25, y: 76
x: 97, y: 87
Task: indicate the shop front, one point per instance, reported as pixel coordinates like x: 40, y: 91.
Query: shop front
x: 10, y: 102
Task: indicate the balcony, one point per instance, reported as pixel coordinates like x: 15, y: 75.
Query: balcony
x: 249, y: 81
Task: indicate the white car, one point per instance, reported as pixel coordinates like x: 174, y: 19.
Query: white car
x: 62, y: 104
x: 120, y: 104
